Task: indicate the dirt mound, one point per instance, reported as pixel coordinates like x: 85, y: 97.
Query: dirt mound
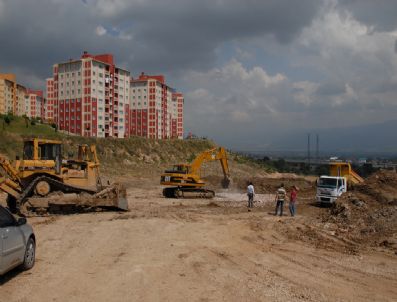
x: 367, y: 214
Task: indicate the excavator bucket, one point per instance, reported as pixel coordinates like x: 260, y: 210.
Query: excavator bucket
x: 225, y: 182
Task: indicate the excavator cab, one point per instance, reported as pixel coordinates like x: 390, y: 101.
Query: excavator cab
x: 180, y: 169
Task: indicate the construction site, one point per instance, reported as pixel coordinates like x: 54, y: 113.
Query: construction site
x: 146, y: 220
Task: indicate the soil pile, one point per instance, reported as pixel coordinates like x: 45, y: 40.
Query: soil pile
x: 367, y: 214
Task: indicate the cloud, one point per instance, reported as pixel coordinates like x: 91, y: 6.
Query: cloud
x: 249, y: 69
x: 100, y: 30
x: 380, y: 13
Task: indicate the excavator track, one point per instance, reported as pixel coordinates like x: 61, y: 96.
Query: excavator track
x: 181, y: 192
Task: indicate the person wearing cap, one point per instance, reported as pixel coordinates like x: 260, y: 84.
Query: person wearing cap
x: 280, y: 198
x: 250, y: 193
x: 292, y: 200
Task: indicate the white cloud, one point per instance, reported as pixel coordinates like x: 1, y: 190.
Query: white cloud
x: 100, y: 30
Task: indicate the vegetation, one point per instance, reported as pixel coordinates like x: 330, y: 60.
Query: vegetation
x: 123, y: 156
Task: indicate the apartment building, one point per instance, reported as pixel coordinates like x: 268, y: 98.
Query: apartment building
x: 49, y: 101
x: 154, y: 108
x: 7, y: 93
x: 90, y: 96
x: 34, y: 104
x: 12, y: 95
x: 177, y: 115
x: 17, y: 99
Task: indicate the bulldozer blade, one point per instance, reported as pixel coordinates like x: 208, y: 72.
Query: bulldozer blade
x: 113, y: 197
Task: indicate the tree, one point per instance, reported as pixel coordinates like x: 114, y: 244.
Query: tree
x: 26, y: 118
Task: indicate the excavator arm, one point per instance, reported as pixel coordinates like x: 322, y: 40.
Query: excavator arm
x: 211, y: 155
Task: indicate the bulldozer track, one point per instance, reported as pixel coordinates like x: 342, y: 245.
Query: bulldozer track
x: 56, y: 186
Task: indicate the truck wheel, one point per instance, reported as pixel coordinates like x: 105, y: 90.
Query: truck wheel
x: 30, y: 255
x: 12, y: 204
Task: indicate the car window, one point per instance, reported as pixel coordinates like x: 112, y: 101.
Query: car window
x: 6, y: 219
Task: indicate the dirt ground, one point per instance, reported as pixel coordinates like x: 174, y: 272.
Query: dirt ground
x: 201, y: 250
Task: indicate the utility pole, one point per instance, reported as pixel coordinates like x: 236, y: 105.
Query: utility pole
x: 308, y: 149
x: 317, y: 148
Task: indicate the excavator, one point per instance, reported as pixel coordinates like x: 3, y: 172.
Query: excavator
x: 184, y: 181
x: 43, y: 182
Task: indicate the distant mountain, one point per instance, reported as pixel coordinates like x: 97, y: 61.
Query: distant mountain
x: 372, y: 139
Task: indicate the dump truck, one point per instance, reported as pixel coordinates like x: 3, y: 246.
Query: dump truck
x: 341, y: 176
x: 43, y: 181
x: 184, y: 180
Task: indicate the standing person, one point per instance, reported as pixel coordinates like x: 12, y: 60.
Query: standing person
x: 250, y: 193
x: 292, y: 200
x: 280, y: 198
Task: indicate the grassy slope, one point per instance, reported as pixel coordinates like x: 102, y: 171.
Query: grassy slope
x: 135, y: 156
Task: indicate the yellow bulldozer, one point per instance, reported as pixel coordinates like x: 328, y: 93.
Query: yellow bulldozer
x: 184, y: 181
x: 43, y: 181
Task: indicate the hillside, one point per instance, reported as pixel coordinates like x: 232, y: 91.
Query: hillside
x: 134, y: 156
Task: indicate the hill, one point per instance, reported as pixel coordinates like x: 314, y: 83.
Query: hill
x: 135, y: 156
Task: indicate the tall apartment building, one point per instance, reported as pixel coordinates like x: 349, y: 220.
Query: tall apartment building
x: 50, y: 101
x: 12, y: 95
x: 154, y: 108
x: 90, y: 96
x: 34, y: 104
x: 177, y: 115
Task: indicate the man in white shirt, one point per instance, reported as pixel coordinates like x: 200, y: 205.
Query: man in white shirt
x: 250, y: 193
x: 280, y: 198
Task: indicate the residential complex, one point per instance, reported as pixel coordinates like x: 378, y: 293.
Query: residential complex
x: 91, y: 96
x: 16, y: 99
x: 34, y: 104
x: 154, y: 108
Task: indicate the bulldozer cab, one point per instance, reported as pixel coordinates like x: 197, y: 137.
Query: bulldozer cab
x: 38, y: 149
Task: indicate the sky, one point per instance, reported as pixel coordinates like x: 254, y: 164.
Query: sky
x: 251, y: 71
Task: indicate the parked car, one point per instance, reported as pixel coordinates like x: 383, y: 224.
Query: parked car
x: 17, y: 242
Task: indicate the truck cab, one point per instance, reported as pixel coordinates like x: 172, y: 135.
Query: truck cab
x: 329, y: 188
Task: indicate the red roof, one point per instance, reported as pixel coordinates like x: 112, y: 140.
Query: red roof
x: 105, y: 58
x: 36, y: 92
x: 145, y: 77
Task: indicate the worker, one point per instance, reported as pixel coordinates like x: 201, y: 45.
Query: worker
x: 280, y: 198
x: 250, y: 193
x: 292, y: 200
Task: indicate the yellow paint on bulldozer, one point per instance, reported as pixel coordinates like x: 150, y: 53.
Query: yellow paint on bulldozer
x: 43, y: 178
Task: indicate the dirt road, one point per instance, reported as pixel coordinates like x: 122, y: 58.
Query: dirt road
x: 194, y: 250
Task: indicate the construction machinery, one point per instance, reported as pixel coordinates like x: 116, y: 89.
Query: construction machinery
x: 344, y: 169
x: 42, y: 181
x: 184, y: 180
x: 331, y: 187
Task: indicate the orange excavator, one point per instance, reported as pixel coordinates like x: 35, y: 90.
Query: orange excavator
x: 184, y: 181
